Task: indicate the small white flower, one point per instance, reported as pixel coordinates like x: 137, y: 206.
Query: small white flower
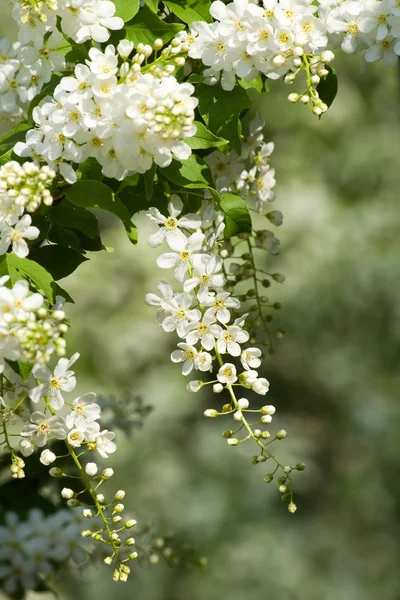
x: 75, y: 437
x: 203, y: 361
x: 227, y: 373
x: 104, y: 443
x: 220, y: 303
x: 206, y: 275
x: 180, y: 314
x: 230, y: 340
x: 170, y: 226
x: 43, y: 427
x: 84, y: 411
x: 62, y: 379
x: 186, y: 355
x: 16, y: 235
x: 250, y: 358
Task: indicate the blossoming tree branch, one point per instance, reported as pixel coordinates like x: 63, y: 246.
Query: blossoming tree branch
x: 132, y: 106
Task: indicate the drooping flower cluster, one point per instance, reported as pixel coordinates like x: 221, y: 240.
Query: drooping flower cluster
x: 281, y: 38
x: 30, y: 331
x: 202, y: 314
x: 113, y: 111
x: 37, y: 547
x: 38, y: 414
x: 22, y: 187
x: 250, y: 174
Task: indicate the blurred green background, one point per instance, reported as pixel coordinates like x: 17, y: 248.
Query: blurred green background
x: 334, y: 378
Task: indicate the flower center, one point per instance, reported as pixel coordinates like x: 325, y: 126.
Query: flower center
x: 180, y: 314
x: 204, y: 279
x: 43, y: 428
x: 171, y: 223
x: 353, y: 28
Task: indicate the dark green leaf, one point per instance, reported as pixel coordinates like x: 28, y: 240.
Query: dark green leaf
x: 191, y: 10
x: 237, y: 215
x: 95, y: 194
x: 152, y: 4
x: 146, y: 27
x: 149, y: 181
x: 135, y: 200
x: 328, y: 86
x: 74, y: 217
x: 58, y: 260
x: 9, y: 139
x: 221, y: 110
x: 91, y: 169
x: 204, y: 139
x: 126, y: 9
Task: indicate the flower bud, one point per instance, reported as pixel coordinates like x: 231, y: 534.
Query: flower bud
x: 265, y: 419
x: 107, y: 473
x: 269, y: 477
x: 91, y: 469
x: 86, y: 533
x: 300, y: 466
x: 47, y: 457
x: 130, y: 523
x: 238, y: 415
x: 67, y: 493
x: 305, y: 99
x: 211, y: 412
x: 327, y: 56
x: 100, y: 498
x: 293, y: 97
x: 56, y: 472
x: 108, y: 560
x: 130, y: 542
x: 120, y: 495
x: 292, y: 507
x: 73, y: 503
x: 243, y: 403
x: 118, y: 508
x: 133, y: 555
x: 158, y: 44
x: 194, y: 386
x: 315, y: 79
x: 281, y: 434
x: 218, y: 388
x: 232, y: 441
x: 87, y: 513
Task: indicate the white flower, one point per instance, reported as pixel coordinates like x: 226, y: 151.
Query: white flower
x: 206, y: 275
x: 84, y: 411
x: 227, y: 374
x: 250, y: 358
x: 171, y: 225
x: 43, y: 427
x: 206, y: 331
x: 182, y: 258
x: 16, y: 236
x: 180, y: 314
x: 220, y: 303
x: 186, y: 355
x: 75, y: 437
x: 61, y: 379
x: 230, y: 340
x: 17, y: 301
x: 104, y: 443
x: 203, y: 361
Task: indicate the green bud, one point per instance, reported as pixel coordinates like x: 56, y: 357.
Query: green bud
x: 282, y: 479
x: 254, y: 460
x: 277, y: 305
x: 266, y: 283
x: 281, y: 434
x: 268, y: 478
x: 227, y: 433
x: 252, y: 293
x: 300, y: 466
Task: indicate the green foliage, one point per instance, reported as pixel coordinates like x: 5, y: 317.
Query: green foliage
x: 126, y: 9
x: 190, y: 173
x: 70, y: 216
x: 204, y: 139
x: 221, y: 110
x: 95, y: 194
x: 152, y: 4
x: 328, y: 86
x: 23, y: 369
x: 191, y: 10
x: 57, y: 260
x: 237, y: 215
x: 9, y: 139
x: 146, y: 27
x: 24, y: 268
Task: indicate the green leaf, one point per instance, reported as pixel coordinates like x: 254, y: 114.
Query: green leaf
x: 146, y: 27
x: 152, y: 4
x: 95, y: 194
x: 24, y: 268
x: 328, y: 86
x: 204, y: 139
x: 191, y: 10
x: 91, y: 169
x: 149, y: 181
x: 237, y: 215
x: 23, y: 369
x: 221, y: 110
x: 9, y: 139
x: 126, y: 9
x: 135, y: 200
x: 256, y: 84
x: 75, y: 217
x: 57, y: 260
x: 190, y: 173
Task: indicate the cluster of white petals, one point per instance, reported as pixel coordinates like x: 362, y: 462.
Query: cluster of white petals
x: 30, y: 331
x: 112, y: 111
x: 37, y: 546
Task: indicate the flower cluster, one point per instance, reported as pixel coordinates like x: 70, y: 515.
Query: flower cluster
x: 38, y: 413
x: 37, y: 547
x: 250, y: 174
x: 116, y: 112
x: 22, y: 187
x: 30, y: 331
x: 282, y: 38
x: 202, y: 314
x: 81, y: 20
x: 25, y: 69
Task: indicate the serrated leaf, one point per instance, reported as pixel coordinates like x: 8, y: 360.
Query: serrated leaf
x: 221, y: 110
x: 59, y: 261
x: 95, y: 194
x: 237, y: 215
x: 191, y: 10
x: 204, y: 139
x: 126, y: 9
x: 146, y: 27
x: 70, y: 216
x: 328, y: 86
